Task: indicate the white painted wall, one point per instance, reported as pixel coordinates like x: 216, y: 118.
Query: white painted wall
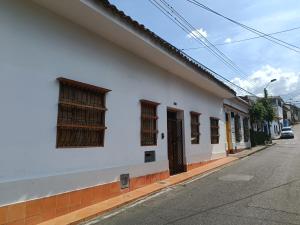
x: 36, y: 48
x: 239, y: 107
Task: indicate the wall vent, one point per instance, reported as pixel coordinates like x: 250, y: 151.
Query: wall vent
x: 149, y: 156
x: 124, y: 180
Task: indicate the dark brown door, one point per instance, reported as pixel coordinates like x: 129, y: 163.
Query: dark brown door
x: 175, y: 143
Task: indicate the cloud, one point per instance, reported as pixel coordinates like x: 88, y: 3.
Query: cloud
x: 274, y: 21
x: 199, y: 33
x: 287, y: 84
x: 228, y: 40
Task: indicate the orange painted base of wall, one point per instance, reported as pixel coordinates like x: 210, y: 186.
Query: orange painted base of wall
x: 232, y: 151
x: 198, y: 164
x: 37, y: 211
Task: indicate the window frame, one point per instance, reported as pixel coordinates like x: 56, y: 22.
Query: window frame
x: 237, y: 128
x: 212, y: 136
x: 73, y: 124
x: 195, y: 126
x: 144, y: 117
x: 246, y: 129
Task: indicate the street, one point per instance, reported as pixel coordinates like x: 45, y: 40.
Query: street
x: 263, y: 188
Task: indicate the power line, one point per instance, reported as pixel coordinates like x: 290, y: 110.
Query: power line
x: 188, y: 31
x: 264, y: 35
x: 246, y: 39
x: 206, y: 43
x: 209, y: 45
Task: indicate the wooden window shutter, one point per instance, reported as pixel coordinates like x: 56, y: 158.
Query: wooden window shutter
x: 148, y: 123
x: 81, y: 115
x: 195, y: 130
x: 246, y: 129
x: 214, y: 130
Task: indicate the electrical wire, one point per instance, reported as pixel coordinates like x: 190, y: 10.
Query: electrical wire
x: 206, y: 42
x: 263, y: 35
x: 188, y: 31
x: 246, y: 39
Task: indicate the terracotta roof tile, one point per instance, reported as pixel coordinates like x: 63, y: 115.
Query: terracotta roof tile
x: 161, y: 42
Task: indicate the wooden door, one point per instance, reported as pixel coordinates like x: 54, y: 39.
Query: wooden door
x: 175, y: 143
x: 228, y: 132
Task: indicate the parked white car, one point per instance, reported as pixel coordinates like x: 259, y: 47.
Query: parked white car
x: 287, y: 132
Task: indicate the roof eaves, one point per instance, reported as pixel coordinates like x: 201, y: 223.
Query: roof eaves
x: 161, y: 42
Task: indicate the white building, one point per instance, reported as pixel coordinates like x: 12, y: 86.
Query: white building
x: 277, y: 124
x: 89, y: 96
x: 237, y: 124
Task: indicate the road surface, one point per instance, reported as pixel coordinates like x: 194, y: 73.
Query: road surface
x: 260, y: 189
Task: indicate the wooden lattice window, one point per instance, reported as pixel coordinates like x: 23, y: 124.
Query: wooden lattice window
x: 246, y: 129
x: 148, y: 123
x: 237, y: 128
x: 214, y: 130
x: 195, y: 131
x: 81, y: 115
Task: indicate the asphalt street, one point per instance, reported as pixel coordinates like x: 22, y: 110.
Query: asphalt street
x: 263, y: 188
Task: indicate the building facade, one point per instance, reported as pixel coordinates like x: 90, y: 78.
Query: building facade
x: 237, y: 124
x: 291, y: 113
x: 95, y: 105
x: 277, y: 124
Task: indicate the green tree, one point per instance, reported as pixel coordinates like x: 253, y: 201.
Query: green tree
x: 262, y: 110
x: 257, y: 112
x: 269, y: 111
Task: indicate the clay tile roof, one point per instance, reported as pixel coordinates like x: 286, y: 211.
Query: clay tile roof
x: 142, y: 30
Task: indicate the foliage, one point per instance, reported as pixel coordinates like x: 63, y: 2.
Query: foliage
x: 258, y: 138
x: 261, y: 110
x: 257, y: 112
x: 269, y: 111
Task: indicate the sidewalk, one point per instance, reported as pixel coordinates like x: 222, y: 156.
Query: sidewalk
x: 105, y: 206
x: 250, y: 151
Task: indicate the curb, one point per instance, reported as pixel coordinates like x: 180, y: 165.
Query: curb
x: 258, y: 150
x: 92, y: 211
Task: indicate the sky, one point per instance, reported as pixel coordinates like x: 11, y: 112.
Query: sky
x: 259, y: 60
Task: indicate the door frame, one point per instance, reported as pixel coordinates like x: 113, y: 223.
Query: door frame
x: 228, y: 131
x: 179, y: 114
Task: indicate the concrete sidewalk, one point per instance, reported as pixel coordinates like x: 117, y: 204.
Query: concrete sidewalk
x: 105, y: 206
x: 250, y: 151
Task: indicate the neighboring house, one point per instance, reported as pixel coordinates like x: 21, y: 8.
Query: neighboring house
x: 292, y: 113
x: 286, y: 115
x: 94, y: 105
x: 258, y: 127
x: 277, y: 124
x: 237, y: 124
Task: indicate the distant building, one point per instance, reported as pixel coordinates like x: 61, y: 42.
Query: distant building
x: 277, y: 124
x: 291, y: 113
x: 286, y: 115
x: 237, y: 124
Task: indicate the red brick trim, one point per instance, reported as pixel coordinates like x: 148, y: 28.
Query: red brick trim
x: 198, y: 164
x: 37, y: 211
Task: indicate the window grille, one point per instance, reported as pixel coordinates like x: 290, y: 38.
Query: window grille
x: 246, y: 129
x: 149, y: 123
x: 214, y: 130
x: 237, y: 127
x: 81, y: 115
x: 195, y: 132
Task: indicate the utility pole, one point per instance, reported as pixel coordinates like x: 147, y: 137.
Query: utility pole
x: 266, y: 99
